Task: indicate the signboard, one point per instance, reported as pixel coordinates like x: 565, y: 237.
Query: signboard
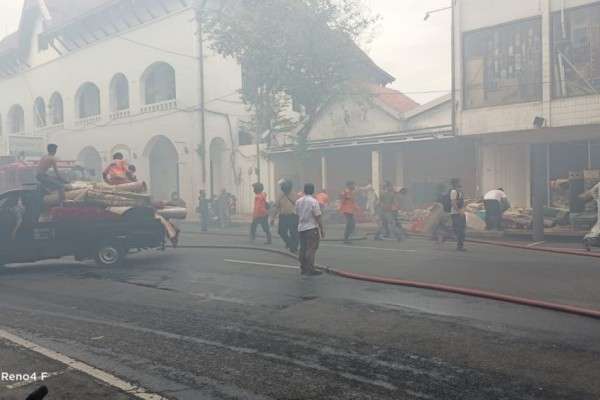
x: 26, y: 146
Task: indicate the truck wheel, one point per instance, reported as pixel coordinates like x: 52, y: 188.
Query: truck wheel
x: 109, y: 255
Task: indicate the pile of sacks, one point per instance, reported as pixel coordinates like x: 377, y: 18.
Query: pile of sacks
x: 103, y: 195
x: 95, y: 200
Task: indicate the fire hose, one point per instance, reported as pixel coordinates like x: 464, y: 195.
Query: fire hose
x: 568, y: 309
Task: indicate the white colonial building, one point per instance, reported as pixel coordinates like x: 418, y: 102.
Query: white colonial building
x: 97, y: 77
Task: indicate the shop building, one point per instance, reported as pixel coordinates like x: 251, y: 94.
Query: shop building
x: 527, y: 73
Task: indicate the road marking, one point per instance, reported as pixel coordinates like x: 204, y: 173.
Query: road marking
x: 535, y: 244
x: 261, y: 264
x: 100, y: 375
x: 368, y: 248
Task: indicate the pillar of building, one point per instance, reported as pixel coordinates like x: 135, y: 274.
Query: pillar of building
x: 376, y: 170
x: 323, y: 172
x: 399, y: 158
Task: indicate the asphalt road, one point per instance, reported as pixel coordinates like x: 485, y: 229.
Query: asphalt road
x: 216, y: 324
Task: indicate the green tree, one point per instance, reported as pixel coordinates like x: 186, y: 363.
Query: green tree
x: 303, y: 49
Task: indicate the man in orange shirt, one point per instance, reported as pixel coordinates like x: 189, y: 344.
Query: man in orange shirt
x: 117, y: 171
x: 261, y: 213
x: 348, y: 208
x: 323, y: 199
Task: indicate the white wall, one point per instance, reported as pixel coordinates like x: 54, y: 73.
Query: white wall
x: 508, y: 167
x: 247, y: 165
x: 363, y: 120
x: 476, y: 14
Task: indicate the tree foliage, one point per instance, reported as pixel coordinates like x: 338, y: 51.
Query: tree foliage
x: 304, y: 49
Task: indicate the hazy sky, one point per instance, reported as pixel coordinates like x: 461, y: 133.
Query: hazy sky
x: 416, y: 52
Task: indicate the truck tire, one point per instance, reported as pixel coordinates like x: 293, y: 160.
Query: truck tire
x: 109, y: 255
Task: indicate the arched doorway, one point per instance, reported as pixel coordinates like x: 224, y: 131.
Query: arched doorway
x: 218, y: 166
x: 90, y: 159
x: 164, y: 168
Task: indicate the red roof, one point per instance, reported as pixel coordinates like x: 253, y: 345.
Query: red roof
x: 394, y: 99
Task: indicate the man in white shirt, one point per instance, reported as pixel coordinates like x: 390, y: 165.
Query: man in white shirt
x: 495, y: 202
x: 457, y: 213
x: 311, y: 230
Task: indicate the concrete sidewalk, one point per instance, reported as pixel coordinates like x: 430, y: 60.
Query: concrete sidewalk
x: 335, y: 232
x: 17, y: 380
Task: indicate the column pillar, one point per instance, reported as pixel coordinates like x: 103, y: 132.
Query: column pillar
x: 324, y: 182
x: 376, y: 171
x: 399, y: 169
x: 538, y: 154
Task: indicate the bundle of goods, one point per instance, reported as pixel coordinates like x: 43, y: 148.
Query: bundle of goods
x: 423, y: 220
x: 559, y: 192
x: 517, y: 218
x: 172, y: 212
x: 86, y: 201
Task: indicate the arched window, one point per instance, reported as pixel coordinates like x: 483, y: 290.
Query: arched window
x: 16, y: 120
x: 119, y: 93
x: 87, y: 101
x: 39, y: 113
x: 158, y: 83
x: 55, y: 109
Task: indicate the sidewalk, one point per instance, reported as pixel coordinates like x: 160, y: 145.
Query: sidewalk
x: 63, y: 383
x: 335, y: 232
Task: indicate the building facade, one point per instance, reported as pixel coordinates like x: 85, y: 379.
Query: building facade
x: 527, y: 73
x: 134, y: 77
x: 388, y: 138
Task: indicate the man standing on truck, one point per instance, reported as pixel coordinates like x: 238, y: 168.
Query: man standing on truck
x: 47, y: 182
x: 117, y: 171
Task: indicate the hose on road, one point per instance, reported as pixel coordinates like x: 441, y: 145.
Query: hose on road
x: 568, y: 309
x: 570, y: 252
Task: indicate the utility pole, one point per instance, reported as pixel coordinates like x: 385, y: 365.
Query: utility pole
x: 259, y: 124
x: 201, y: 87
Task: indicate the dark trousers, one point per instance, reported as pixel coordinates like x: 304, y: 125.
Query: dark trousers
x: 50, y: 184
x: 389, y: 224
x: 309, y: 244
x: 493, y: 215
x: 350, y: 226
x: 264, y: 223
x: 459, y: 224
x: 288, y: 230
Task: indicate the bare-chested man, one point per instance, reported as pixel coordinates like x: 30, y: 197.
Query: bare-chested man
x: 47, y: 182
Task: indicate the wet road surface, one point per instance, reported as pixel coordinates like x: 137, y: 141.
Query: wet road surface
x: 215, y: 324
